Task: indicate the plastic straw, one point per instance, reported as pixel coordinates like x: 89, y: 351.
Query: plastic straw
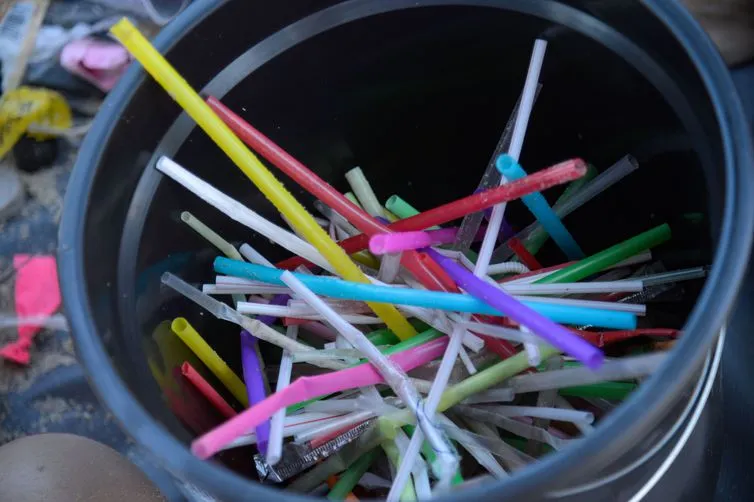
x: 350, y: 478
x: 518, y: 428
x: 407, y: 493
x: 401, y: 241
x: 389, y: 267
x: 473, y: 446
x: 348, y: 195
x: 537, y: 204
x: 548, y: 413
x: 209, y: 357
x: 275, y: 449
x: 254, y: 256
x: 207, y: 390
x: 541, y: 180
x: 688, y: 274
x: 403, y: 209
x: 418, y: 469
x: 364, y: 193
x: 587, y: 304
x: 336, y: 288
x: 252, y: 375
x: 543, y: 327
x: 234, y: 148
x: 394, y: 377
x: 610, y: 256
x: 210, y: 235
x: 222, y: 311
x: 523, y: 254
x: 306, y: 388
x: 617, y: 369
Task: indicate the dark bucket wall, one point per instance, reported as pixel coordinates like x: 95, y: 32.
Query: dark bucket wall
x: 415, y: 95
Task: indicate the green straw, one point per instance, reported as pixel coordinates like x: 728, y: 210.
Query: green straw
x: 210, y: 235
x: 612, y: 391
x: 351, y: 476
x: 402, y: 209
x: 383, y: 337
x: 538, y: 237
x: 431, y: 456
x: 609, y: 257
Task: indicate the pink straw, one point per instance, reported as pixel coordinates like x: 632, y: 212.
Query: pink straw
x: 405, y: 241
x: 306, y: 388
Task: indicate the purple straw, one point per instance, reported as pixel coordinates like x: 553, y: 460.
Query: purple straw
x: 276, y: 300
x: 252, y: 375
x: 552, y: 332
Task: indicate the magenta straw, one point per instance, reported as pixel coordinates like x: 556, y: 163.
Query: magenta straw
x: 308, y: 388
x: 405, y: 241
x: 252, y: 375
x: 553, y: 333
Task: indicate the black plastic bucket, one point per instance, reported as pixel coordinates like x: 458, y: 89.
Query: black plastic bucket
x: 413, y: 92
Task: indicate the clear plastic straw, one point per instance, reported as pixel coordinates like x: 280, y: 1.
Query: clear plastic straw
x: 631, y: 308
x: 602, y: 182
x: 562, y: 402
x: 336, y: 218
x: 688, y: 274
x: 617, y: 369
x: 502, y: 395
x: 419, y: 469
x: 222, y: 311
x: 230, y: 289
x: 491, y: 178
x: 390, y: 266
x: 518, y: 428
x: 488, y: 437
x: 474, y: 446
x: 547, y: 413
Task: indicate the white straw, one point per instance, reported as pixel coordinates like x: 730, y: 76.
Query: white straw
x: 254, y: 256
x: 419, y: 469
x: 240, y: 213
x: 275, y: 445
x: 633, y: 308
x: 215, y: 289
x: 363, y: 190
x: 573, y: 288
x: 480, y: 269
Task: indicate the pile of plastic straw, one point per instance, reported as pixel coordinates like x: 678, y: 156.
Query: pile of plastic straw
x: 420, y: 350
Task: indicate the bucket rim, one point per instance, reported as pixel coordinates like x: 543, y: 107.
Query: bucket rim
x: 702, y: 326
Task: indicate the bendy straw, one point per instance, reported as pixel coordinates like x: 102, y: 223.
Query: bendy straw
x: 234, y: 148
x: 537, y: 204
x: 209, y: 357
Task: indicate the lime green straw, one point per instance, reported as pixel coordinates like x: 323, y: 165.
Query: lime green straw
x: 612, y: 391
x: 351, y: 476
x: 210, y: 235
x: 394, y: 456
x: 350, y: 196
x: 538, y: 237
x: 610, y: 256
x: 431, y: 456
x: 402, y: 209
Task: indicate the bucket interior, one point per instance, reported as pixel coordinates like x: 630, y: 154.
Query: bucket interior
x: 418, y: 98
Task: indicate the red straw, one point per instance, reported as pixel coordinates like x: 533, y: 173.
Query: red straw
x: 541, y: 180
x: 607, y: 337
x: 207, y: 390
x: 321, y: 190
x: 523, y: 254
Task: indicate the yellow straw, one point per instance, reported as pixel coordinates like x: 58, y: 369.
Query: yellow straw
x: 209, y: 357
x: 221, y: 134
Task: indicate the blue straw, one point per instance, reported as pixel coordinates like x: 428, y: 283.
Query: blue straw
x: 337, y: 288
x: 537, y: 204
